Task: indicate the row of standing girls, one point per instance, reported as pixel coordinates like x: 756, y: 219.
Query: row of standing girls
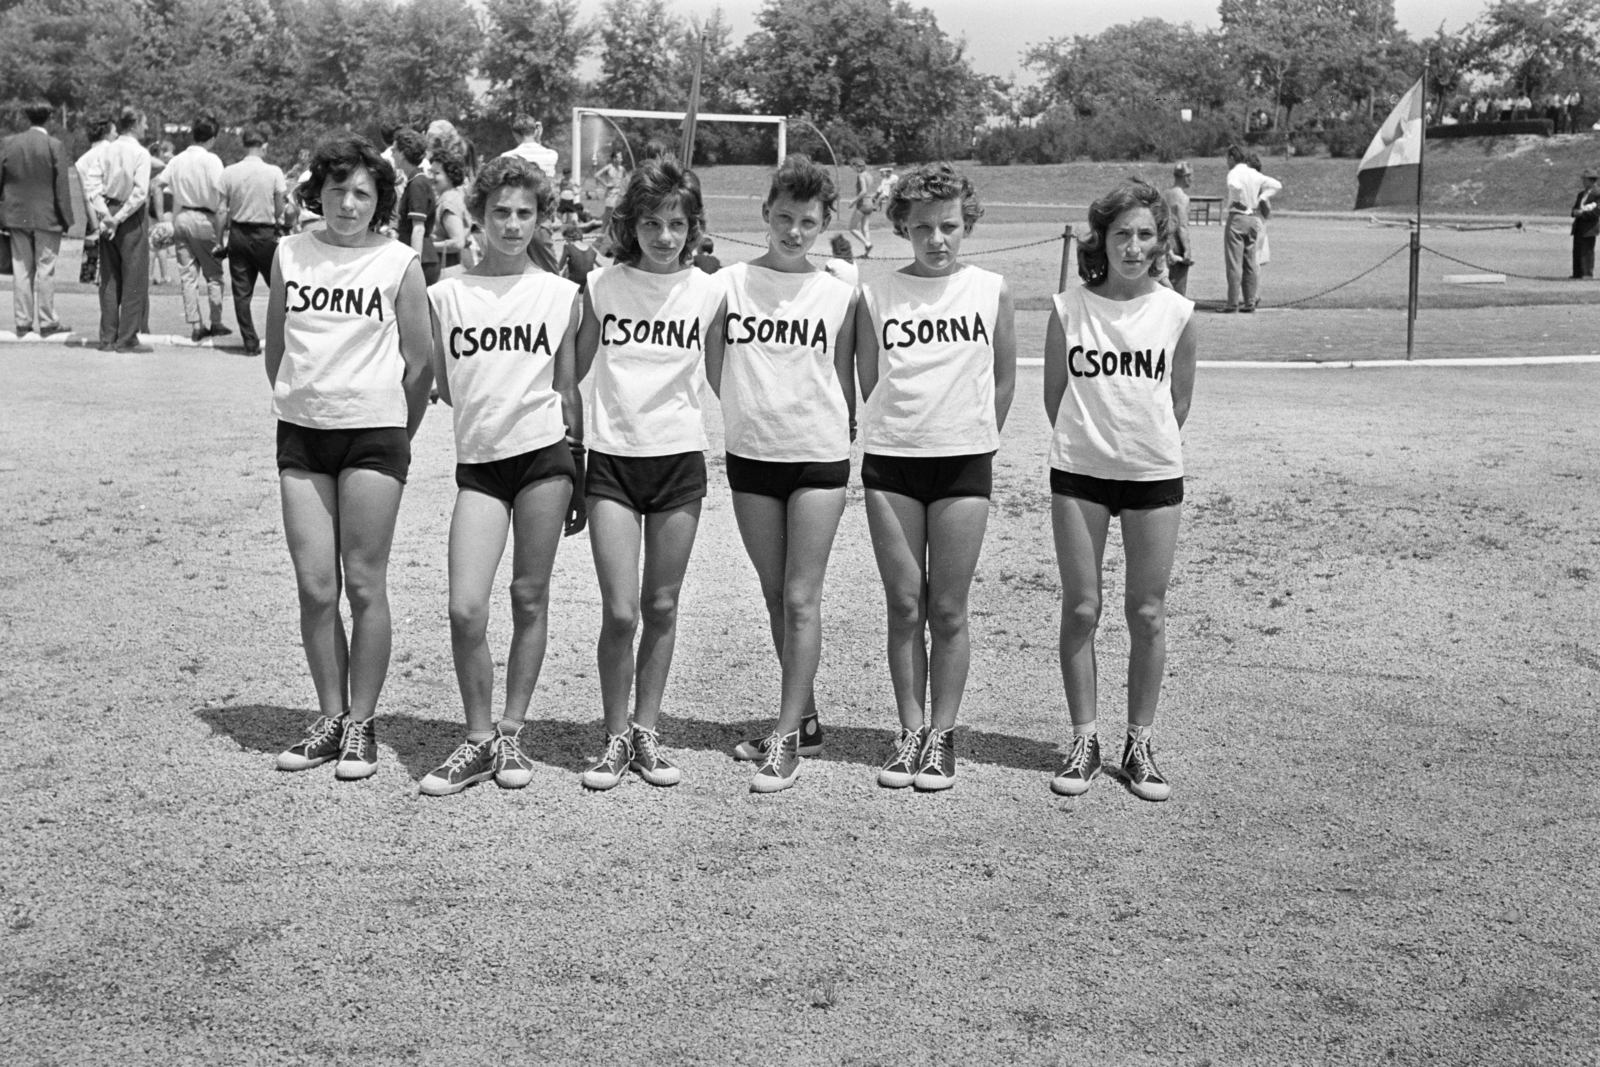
x: 351, y: 352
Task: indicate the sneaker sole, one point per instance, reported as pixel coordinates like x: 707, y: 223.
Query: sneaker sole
x: 771, y: 783
x: 445, y: 789
x: 287, y: 762
x: 933, y: 783
x: 513, y: 779
x: 1071, y: 787
x: 1148, y: 792
x: 662, y: 779
x: 354, y: 772
x: 750, y: 751
x: 600, y: 782
x: 895, y: 779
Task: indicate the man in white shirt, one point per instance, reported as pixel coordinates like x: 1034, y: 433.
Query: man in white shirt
x: 528, y: 131
x: 1247, y: 188
x: 102, y: 131
x: 254, y: 195
x: 195, y: 178
x: 116, y: 183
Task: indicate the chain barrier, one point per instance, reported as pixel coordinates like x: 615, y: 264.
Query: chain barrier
x: 1490, y: 270
x: 1341, y: 285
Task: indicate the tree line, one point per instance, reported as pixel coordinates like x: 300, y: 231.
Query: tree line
x: 878, y: 78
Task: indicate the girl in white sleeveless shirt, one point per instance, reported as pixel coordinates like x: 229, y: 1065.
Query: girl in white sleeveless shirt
x: 1119, y: 372
x: 347, y: 355
x: 648, y: 322
x: 788, y: 398
x: 503, y: 358
x: 936, y: 355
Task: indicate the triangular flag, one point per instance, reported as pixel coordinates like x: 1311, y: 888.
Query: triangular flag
x: 1392, y: 168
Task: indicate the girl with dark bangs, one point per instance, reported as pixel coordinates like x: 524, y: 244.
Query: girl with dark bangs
x: 1119, y: 364
x: 783, y: 374
x: 649, y: 321
x: 347, y: 355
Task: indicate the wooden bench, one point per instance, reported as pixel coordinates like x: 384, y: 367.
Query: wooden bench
x: 1200, y: 209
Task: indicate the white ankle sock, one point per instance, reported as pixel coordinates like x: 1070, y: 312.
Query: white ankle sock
x: 1083, y: 729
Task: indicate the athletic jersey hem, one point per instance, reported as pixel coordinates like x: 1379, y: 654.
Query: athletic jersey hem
x: 511, y: 451
x: 1109, y: 475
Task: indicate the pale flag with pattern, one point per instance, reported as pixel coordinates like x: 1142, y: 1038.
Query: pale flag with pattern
x: 1392, y: 168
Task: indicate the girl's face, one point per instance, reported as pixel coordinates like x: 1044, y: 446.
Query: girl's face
x: 661, y: 234
x: 348, y: 205
x: 1132, y: 243
x: 510, y: 218
x: 935, y: 230
x: 793, y: 226
x: 436, y: 174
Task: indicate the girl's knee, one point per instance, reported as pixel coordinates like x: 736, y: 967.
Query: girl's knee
x: 469, y: 620
x: 660, y: 612
x: 1080, y: 614
x: 905, y: 608
x: 1147, y: 618
x: 530, y: 599
x: 947, y: 617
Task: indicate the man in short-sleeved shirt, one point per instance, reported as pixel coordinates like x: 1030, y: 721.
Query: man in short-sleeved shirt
x: 255, y: 194
x: 195, y: 179
x: 1179, y: 255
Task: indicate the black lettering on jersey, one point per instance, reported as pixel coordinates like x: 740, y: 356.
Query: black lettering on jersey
x: 470, y: 340
x: 808, y: 333
x: 927, y: 331
x: 334, y: 301
x: 649, y: 332
x: 1130, y: 364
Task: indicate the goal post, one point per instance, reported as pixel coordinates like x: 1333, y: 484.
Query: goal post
x: 609, y: 113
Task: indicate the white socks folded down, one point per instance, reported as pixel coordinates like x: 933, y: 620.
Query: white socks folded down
x: 1087, y: 729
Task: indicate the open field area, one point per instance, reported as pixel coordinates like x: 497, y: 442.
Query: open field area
x: 1383, y: 844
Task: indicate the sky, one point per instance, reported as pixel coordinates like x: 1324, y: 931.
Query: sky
x: 995, y: 43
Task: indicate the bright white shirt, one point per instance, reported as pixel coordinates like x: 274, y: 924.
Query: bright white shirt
x: 195, y: 178
x: 250, y: 190
x: 782, y: 401
x: 650, y: 364
x: 1116, y: 419
x: 500, y: 336
x: 120, y: 171
x: 342, y: 367
x: 534, y: 152
x: 1247, y: 187
x: 935, y: 391
x: 845, y: 270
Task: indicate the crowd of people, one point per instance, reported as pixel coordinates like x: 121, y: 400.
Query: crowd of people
x: 1563, y: 110
x: 355, y: 338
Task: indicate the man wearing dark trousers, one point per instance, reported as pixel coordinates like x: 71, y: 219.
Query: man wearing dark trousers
x: 1585, y: 225
x: 117, y: 184
x: 254, y: 193
x: 37, y: 210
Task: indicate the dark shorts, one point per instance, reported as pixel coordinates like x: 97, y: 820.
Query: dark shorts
x: 647, y: 484
x: 930, y: 478
x: 1117, y: 496
x: 768, y: 478
x: 505, y: 478
x: 385, y: 449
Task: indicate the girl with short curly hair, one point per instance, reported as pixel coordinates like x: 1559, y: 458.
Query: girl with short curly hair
x: 936, y: 358
x: 1118, y: 377
x: 648, y: 323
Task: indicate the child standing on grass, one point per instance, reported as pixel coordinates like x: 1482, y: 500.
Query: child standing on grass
x: 936, y: 355
x: 503, y: 357
x: 1119, y: 364
x: 648, y: 322
x: 348, y: 358
x: 783, y: 374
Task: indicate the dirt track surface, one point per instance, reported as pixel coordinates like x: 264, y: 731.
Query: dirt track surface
x: 1379, y: 722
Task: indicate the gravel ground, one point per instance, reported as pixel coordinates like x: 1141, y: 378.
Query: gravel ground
x: 1379, y: 722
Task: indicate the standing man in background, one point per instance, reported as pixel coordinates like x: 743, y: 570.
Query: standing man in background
x: 37, y: 199
x: 102, y: 131
x: 254, y: 196
x: 1180, y: 257
x: 116, y: 184
x: 528, y: 131
x: 1585, y: 225
x: 195, y: 179
x: 1247, y: 189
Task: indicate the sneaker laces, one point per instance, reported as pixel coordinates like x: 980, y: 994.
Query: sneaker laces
x: 648, y: 748
x: 909, y: 748
x: 1140, y: 756
x: 354, y: 734
x: 463, y: 755
x: 1078, y: 758
x: 936, y: 740
x: 774, y: 752
x: 617, y: 750
x: 325, y: 727
x: 506, y: 748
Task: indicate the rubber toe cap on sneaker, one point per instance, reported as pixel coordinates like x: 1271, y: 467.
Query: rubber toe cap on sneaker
x: 660, y: 776
x: 933, y: 783
x: 895, y: 779
x: 515, y: 778
x: 748, y: 751
x: 772, y: 783
x: 354, y: 770
x: 1063, y: 786
x: 294, y: 761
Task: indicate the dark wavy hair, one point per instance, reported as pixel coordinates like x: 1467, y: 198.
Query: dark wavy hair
x: 800, y: 179
x: 453, y: 164
x: 930, y: 183
x: 1132, y: 193
x: 410, y: 144
x: 657, y: 183
x: 513, y: 172
x: 338, y: 158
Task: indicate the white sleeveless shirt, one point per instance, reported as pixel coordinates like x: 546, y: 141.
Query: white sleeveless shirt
x: 935, y: 391
x: 781, y: 397
x: 650, y: 364
x: 1116, y: 419
x: 500, y: 338
x: 341, y: 366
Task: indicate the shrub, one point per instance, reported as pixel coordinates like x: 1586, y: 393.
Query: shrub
x: 1349, y: 138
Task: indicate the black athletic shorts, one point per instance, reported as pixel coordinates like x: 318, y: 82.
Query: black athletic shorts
x: 930, y: 478
x: 647, y: 484
x: 505, y: 478
x: 1118, y: 496
x: 385, y: 449
x: 769, y: 478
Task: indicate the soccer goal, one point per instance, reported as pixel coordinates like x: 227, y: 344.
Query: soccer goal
x: 595, y: 133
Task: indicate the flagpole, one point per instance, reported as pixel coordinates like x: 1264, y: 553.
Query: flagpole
x: 691, y: 119
x: 1416, y: 225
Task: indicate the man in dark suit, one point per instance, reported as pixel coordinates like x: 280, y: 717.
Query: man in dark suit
x: 1585, y: 226
x: 36, y: 207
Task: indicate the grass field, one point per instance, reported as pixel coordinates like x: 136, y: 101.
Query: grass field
x: 1382, y: 845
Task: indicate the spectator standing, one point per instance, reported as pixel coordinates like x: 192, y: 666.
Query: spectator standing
x: 567, y: 199
x: 577, y: 256
x: 612, y: 177
x: 163, y: 261
x: 1247, y: 188
x: 528, y: 131
x: 1585, y: 226
x: 117, y: 184
x: 195, y: 179
x: 254, y: 199
x: 102, y: 131
x: 862, y: 205
x: 1180, y: 256
x: 36, y: 195
x: 704, y: 260
x: 448, y: 171
x: 419, y: 205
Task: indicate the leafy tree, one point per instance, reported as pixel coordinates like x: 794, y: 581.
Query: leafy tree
x: 635, y: 70
x: 419, y: 59
x: 1146, y: 62
x: 531, y: 56
x: 1537, y: 46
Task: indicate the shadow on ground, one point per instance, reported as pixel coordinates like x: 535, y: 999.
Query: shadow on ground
x: 422, y: 744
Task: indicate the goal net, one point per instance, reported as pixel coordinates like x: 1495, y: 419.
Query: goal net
x: 597, y: 132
